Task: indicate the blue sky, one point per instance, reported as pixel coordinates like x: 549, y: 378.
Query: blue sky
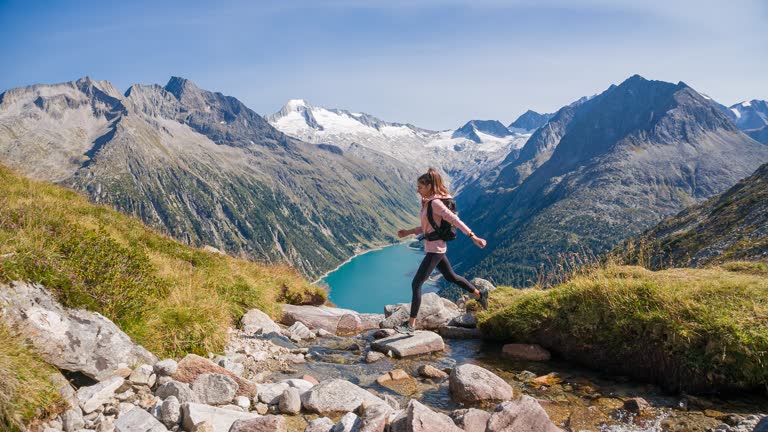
x: 432, y: 63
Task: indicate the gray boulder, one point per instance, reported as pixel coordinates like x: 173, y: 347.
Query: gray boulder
x: 138, y: 420
x: 91, y: 397
x: 334, y: 320
x: 270, y: 393
x: 421, y: 342
x: 471, y: 419
x: 416, y: 417
x: 375, y: 418
x: 180, y: 390
x: 290, y: 401
x: 257, y: 322
x: 143, y: 375
x: 165, y: 367
x: 72, y: 420
x: 214, y: 389
x: 70, y: 339
x: 170, y: 411
x: 435, y: 312
x: 299, y: 331
x: 221, y: 419
x: 466, y: 319
x: 524, y: 414
x: 348, y: 423
x: 469, y: 384
x: 336, y: 396
x: 270, y: 423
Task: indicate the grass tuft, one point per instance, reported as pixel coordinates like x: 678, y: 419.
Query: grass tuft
x: 687, y: 329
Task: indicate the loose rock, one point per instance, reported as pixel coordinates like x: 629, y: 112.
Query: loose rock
x: 221, y: 419
x: 525, y: 352
x: 94, y: 396
x: 270, y: 423
x: 336, y: 396
x: 322, y: 424
x: 214, y: 389
x: 421, y: 342
x: 166, y: 367
x: 180, y: 390
x: 290, y: 401
x: 170, y: 411
x: 469, y: 383
x: 435, y: 312
x: 257, y: 322
x: 138, y: 421
x: 524, y: 414
x: 430, y: 371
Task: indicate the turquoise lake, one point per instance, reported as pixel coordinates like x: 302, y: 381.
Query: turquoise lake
x: 370, y: 281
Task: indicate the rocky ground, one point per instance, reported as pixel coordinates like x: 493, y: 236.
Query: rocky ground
x: 329, y: 369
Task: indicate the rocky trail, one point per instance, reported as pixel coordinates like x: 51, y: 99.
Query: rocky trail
x: 327, y: 369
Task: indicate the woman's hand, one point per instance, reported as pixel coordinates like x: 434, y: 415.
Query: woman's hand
x: 479, y: 242
x: 403, y: 233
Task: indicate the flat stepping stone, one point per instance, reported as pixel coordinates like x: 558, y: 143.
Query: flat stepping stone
x: 421, y: 342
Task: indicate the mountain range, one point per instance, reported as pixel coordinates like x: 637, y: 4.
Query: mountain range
x: 205, y: 169
x: 601, y: 171
x: 461, y: 153
x: 312, y: 185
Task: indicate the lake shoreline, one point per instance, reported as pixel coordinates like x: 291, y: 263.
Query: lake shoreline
x: 355, y: 256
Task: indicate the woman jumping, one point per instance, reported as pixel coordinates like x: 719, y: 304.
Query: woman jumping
x: 432, y: 191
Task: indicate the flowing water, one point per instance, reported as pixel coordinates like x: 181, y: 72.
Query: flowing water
x: 576, y: 399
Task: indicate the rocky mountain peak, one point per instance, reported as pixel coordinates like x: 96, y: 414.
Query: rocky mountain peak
x: 182, y: 88
x: 530, y: 120
x: 489, y: 127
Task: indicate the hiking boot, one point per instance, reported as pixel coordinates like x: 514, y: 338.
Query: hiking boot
x: 405, y: 328
x: 483, y: 300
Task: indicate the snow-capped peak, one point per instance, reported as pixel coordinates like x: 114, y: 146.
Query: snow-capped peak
x: 746, y: 104
x: 295, y: 104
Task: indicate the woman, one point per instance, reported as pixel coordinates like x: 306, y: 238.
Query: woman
x: 432, y: 190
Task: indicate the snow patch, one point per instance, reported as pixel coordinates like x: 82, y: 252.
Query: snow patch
x: 736, y: 113
x: 746, y: 104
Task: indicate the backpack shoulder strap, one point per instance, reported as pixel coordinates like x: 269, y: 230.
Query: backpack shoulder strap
x: 430, y: 217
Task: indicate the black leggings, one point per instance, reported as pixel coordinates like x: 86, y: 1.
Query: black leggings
x: 432, y: 260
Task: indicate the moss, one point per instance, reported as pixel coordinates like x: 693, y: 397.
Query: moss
x: 687, y: 329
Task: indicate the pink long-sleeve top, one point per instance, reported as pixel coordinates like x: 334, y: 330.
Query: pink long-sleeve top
x: 439, y: 212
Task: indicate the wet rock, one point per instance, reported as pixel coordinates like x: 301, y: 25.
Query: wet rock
x: 469, y: 383
x: 435, y: 312
x: 221, y: 419
x: 466, y: 319
x: 170, y: 411
x: 416, y: 417
x: 524, y: 414
x: 348, y: 423
x: 421, y: 342
x: 290, y: 401
x: 269, y: 393
x: 269, y: 423
x: 70, y: 339
x: 374, y: 417
x: 471, y: 419
x: 525, y: 352
x: 92, y: 397
x: 391, y: 401
x: 138, y: 420
x: 179, y: 390
x: 374, y: 356
x: 143, y: 375
x: 257, y: 322
x: 166, y: 367
x: 399, y: 381
x: 336, y: 396
x: 429, y: 371
x: 214, y: 389
x: 192, y: 366
x: 451, y: 332
x: 638, y: 406
x: 322, y: 424
x: 548, y: 380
